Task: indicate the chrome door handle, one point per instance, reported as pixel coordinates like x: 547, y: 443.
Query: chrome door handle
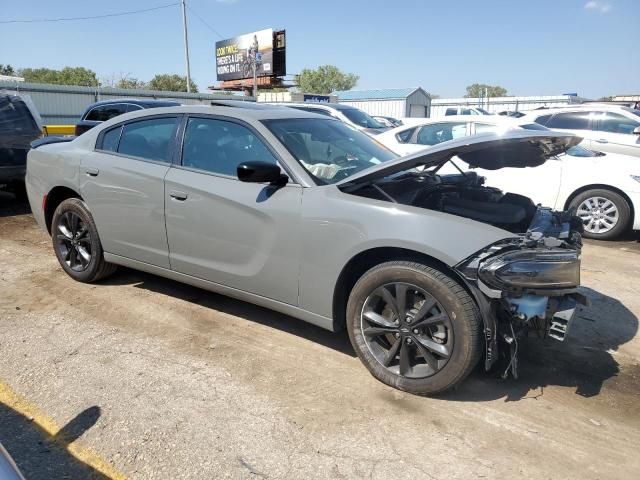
x: 178, y: 195
x: 92, y: 171
x: 602, y: 140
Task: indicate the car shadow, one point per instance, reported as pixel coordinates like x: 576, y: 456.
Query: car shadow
x: 10, y: 205
x: 238, y: 308
x: 41, y: 456
x: 585, y: 361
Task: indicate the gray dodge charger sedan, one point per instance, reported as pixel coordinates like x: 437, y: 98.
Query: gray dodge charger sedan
x: 305, y: 215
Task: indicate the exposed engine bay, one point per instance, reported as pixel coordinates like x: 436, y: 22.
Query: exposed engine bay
x: 463, y: 194
x: 525, y: 285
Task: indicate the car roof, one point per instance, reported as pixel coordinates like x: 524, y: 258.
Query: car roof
x: 412, y: 122
x: 136, y: 101
x: 577, y: 108
x: 247, y: 114
x: 334, y: 106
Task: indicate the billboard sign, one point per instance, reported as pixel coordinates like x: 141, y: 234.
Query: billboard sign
x: 235, y: 56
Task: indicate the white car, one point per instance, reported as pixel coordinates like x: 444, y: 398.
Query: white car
x: 604, y: 188
x: 345, y: 113
x: 606, y: 128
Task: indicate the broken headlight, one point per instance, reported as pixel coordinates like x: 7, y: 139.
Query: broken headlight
x: 553, y: 268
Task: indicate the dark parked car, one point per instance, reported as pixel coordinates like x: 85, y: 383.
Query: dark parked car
x: 99, y: 112
x: 20, y: 124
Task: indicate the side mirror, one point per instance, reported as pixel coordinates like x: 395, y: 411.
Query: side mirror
x: 636, y: 131
x: 261, y: 172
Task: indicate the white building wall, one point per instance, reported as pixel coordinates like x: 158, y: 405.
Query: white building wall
x: 387, y: 108
x: 499, y: 104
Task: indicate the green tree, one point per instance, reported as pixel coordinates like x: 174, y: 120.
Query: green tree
x: 480, y: 89
x: 7, y: 70
x: 67, y: 76
x: 130, y: 82
x: 171, y: 83
x: 325, y: 79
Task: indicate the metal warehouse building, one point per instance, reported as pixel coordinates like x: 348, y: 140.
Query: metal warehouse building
x: 392, y: 102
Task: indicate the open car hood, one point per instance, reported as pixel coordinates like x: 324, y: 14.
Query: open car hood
x: 490, y: 151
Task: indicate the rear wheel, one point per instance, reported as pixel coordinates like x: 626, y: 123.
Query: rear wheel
x: 604, y: 213
x: 414, y: 328
x: 76, y: 242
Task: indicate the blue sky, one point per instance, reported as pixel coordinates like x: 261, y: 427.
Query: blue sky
x: 541, y: 47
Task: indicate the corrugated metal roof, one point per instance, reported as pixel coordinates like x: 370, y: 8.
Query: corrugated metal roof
x: 382, y: 94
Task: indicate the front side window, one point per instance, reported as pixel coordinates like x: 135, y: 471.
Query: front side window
x: 149, y: 139
x: 106, y: 112
x: 616, y: 123
x: 570, y: 121
x: 219, y: 146
x: 328, y: 149
x: 441, y: 132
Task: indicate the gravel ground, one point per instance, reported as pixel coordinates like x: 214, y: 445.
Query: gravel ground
x: 161, y: 380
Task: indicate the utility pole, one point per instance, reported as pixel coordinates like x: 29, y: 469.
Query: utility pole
x: 186, y: 44
x: 255, y: 75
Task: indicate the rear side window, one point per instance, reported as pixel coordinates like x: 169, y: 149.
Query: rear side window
x: 15, y: 117
x: 543, y: 119
x: 570, y: 121
x: 451, y: 111
x: 149, y: 139
x: 405, y: 135
x: 110, y: 139
x: 219, y: 146
x: 106, y: 112
x: 616, y: 123
x: 441, y: 132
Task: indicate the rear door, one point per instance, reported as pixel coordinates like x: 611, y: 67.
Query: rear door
x: 237, y: 234
x: 122, y: 181
x: 614, y: 133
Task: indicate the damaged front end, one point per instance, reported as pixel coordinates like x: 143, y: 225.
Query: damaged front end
x: 527, y: 285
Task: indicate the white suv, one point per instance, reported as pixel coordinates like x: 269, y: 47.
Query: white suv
x: 606, y: 128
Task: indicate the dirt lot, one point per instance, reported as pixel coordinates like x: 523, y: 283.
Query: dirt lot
x: 144, y: 378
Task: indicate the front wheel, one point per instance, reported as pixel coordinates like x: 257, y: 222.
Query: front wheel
x: 76, y: 242
x: 414, y: 327
x: 605, y: 214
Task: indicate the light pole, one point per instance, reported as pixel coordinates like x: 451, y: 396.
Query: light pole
x: 186, y: 44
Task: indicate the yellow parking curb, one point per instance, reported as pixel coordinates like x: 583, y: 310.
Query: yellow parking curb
x: 17, y: 402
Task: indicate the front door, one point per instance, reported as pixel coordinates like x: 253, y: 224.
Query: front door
x: 241, y: 235
x: 122, y: 182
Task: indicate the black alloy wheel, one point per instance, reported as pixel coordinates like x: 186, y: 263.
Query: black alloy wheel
x: 407, y: 330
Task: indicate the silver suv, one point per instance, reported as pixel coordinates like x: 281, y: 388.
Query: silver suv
x: 605, y: 128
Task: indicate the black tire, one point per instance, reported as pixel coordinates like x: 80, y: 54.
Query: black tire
x: 623, y: 210
x: 463, y: 327
x: 93, y: 269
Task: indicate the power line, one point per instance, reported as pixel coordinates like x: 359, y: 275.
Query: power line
x: 204, y: 22
x: 119, y: 14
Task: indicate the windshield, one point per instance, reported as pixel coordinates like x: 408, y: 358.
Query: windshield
x: 361, y: 118
x: 328, y: 149
x: 579, y: 151
x: 483, y: 111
